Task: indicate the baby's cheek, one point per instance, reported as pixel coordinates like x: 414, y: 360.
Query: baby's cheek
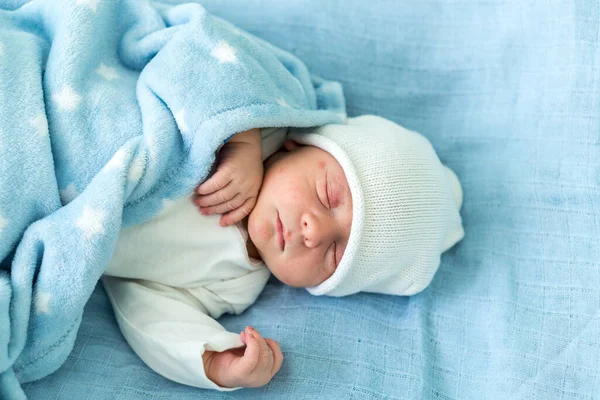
x: 295, y: 195
x: 258, y: 231
x: 262, y: 232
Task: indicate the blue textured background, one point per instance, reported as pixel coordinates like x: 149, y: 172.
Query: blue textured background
x: 508, y: 92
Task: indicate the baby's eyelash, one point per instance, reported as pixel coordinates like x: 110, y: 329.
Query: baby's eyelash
x: 319, y: 197
x: 334, y: 254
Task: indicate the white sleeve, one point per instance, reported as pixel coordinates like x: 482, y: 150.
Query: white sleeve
x: 167, y: 329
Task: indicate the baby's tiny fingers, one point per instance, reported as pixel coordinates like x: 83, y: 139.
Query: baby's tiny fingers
x: 239, y: 213
x: 220, y: 196
x: 266, y: 354
x: 223, y: 207
x: 251, y: 356
x: 276, y: 349
x: 219, y: 180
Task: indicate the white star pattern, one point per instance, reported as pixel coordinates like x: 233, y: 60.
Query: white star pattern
x: 40, y: 123
x: 68, y: 194
x: 91, y: 221
x: 283, y: 103
x: 224, y: 53
x: 137, y: 169
x: 180, y: 119
x: 3, y: 223
x: 92, y: 4
x: 42, y: 302
x: 118, y: 160
x: 107, y: 73
x: 67, y: 99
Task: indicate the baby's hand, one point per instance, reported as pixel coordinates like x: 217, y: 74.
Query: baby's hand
x: 233, y: 189
x: 250, y: 367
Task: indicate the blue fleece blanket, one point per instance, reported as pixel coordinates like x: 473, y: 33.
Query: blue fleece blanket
x: 107, y: 109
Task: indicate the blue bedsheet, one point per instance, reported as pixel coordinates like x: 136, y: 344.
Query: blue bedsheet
x: 509, y: 95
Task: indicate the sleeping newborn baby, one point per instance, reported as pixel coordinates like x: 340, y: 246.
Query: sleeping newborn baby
x: 365, y: 206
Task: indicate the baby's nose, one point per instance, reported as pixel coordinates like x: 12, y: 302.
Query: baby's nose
x: 315, y: 229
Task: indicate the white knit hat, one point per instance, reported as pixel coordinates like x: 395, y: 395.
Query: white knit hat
x: 405, y: 206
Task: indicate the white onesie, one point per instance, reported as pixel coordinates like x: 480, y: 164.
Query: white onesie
x: 172, y: 276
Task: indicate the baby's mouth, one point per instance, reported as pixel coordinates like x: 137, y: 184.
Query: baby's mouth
x: 280, y: 237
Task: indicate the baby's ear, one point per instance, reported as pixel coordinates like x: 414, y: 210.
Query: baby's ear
x: 290, y: 145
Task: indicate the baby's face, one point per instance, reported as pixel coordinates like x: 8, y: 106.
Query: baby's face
x: 301, y: 222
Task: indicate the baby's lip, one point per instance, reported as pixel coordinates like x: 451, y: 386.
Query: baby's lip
x: 280, y: 237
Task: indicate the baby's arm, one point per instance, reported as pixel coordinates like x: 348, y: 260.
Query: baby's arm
x: 175, y: 337
x: 233, y: 189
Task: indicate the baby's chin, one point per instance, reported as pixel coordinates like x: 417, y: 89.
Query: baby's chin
x: 288, y: 282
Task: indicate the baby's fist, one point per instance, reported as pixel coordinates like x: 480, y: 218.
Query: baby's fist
x: 233, y: 189
x: 252, y: 366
